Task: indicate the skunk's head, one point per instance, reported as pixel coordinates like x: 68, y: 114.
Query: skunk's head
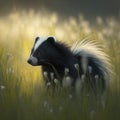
x: 41, y: 51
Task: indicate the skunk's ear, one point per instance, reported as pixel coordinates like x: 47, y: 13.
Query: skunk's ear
x: 51, y: 39
x: 36, y: 39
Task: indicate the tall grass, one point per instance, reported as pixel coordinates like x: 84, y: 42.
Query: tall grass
x: 22, y: 91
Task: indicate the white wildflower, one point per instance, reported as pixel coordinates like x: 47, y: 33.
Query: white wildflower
x: 55, y: 80
x: 82, y: 78
x: 45, y: 74
x: 90, y: 69
x: 96, y: 78
x: 48, y: 84
x: 79, y: 84
x: 66, y: 71
x: 2, y: 87
x: 76, y: 66
x: 52, y: 75
x: 67, y: 81
x: 10, y: 70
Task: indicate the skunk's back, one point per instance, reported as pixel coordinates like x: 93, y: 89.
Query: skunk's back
x: 91, y: 52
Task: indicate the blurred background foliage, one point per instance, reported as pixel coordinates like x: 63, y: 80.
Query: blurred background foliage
x: 90, y: 8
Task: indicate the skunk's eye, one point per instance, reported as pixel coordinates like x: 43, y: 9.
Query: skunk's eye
x: 36, y: 39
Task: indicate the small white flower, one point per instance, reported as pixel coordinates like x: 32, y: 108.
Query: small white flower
x: 67, y: 81
x: 96, y: 77
x: 2, y: 87
x: 48, y: 84
x: 90, y: 69
x: 66, y: 71
x: 52, y: 75
x: 76, y: 66
x: 45, y: 74
x: 82, y: 77
x: 55, y: 81
x: 10, y: 70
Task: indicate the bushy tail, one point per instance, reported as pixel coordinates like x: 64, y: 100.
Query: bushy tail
x: 93, y: 52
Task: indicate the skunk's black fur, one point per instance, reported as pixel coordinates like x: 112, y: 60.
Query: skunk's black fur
x: 55, y: 57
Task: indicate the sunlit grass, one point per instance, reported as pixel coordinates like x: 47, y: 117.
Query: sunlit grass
x: 22, y: 91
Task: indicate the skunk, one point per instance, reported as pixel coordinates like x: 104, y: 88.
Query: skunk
x: 84, y: 58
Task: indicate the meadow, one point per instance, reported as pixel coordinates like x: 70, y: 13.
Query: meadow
x: 23, y: 95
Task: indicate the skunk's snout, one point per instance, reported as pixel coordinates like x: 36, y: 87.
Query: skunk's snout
x: 29, y: 61
x: 33, y: 61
